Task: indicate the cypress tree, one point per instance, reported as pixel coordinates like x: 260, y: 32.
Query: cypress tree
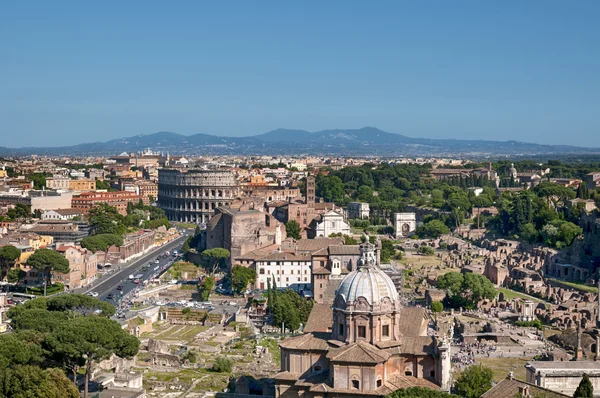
x: 585, y: 388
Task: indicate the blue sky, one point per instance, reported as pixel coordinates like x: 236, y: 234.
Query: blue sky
x: 80, y: 71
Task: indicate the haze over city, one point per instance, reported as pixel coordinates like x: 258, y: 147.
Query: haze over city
x: 74, y: 72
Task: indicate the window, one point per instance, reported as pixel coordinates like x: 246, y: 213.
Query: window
x: 378, y: 382
x: 385, y: 330
x: 321, y: 285
x: 432, y: 374
x: 362, y: 332
x: 408, y: 373
x: 355, y: 384
x: 287, y: 279
x: 262, y: 271
x: 341, y: 329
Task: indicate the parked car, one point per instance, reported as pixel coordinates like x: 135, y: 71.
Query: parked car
x: 136, y: 281
x: 120, y: 287
x: 93, y: 294
x: 110, y: 296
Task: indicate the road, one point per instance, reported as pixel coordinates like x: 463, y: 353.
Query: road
x: 108, y: 285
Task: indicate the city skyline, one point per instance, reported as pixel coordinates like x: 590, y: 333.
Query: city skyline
x: 511, y: 71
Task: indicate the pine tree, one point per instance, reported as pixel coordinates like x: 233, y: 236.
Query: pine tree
x: 585, y: 388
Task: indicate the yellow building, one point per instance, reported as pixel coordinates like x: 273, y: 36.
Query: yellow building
x: 83, y: 184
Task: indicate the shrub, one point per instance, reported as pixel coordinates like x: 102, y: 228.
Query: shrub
x: 436, y: 306
x: 426, y: 250
x: 222, y: 365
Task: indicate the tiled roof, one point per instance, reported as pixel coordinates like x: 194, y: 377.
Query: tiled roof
x: 342, y: 250
x: 421, y: 345
x: 286, y: 256
x: 413, y: 321
x: 397, y: 382
x: 320, y: 319
x: 321, y: 271
x: 312, y: 245
x: 306, y: 341
x: 360, y: 352
x: 287, y: 376
x: 259, y: 253
x: 510, y: 388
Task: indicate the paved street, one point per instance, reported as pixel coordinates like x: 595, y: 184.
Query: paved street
x: 109, y: 283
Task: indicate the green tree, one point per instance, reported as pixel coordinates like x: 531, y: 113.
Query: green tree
x: 25, y: 381
x: 222, y: 365
x: 473, y: 382
x: 215, y: 258
x: 15, y: 275
x: 529, y: 233
x: 330, y: 187
x: 206, y: 287
x: 106, y: 219
x: 585, y: 389
x: 75, y: 305
x: 16, y: 351
x: 85, y: 341
x: 479, y: 287
x: 436, y: 306
x: 419, y: 392
x: 241, y: 277
x: 452, y: 282
x: 46, y: 262
x: 36, y: 319
x: 426, y: 250
x: 292, y: 229
x: 101, y: 242
x: 19, y: 211
x: 433, y: 229
x: 8, y: 255
x: 387, y: 250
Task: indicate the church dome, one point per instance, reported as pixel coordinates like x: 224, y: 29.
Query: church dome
x: 512, y: 170
x: 369, y: 283
x: 368, y: 288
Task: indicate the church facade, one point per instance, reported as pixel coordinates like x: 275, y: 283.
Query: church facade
x: 368, y: 344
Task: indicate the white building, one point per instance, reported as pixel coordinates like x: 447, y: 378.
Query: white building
x: 405, y: 224
x: 358, y: 210
x: 61, y: 214
x: 331, y: 223
x: 289, y: 270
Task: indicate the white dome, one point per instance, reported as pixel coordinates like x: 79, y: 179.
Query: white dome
x: 368, y: 282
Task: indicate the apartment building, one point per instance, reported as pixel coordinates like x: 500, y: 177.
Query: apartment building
x: 88, y: 200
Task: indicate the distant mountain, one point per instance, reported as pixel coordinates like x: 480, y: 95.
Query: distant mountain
x: 364, y: 141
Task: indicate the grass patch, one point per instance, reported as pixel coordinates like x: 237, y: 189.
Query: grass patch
x: 272, y: 346
x: 511, y: 294
x: 576, y: 285
x: 501, y: 367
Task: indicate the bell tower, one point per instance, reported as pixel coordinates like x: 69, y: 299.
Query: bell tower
x: 310, y: 191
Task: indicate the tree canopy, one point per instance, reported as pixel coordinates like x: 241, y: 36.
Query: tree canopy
x: 585, y: 389
x: 420, y: 392
x: 241, y: 277
x: 465, y: 290
x: 47, y: 261
x: 215, y: 258
x: 87, y: 340
x: 292, y: 229
x: 101, y: 242
x: 473, y: 382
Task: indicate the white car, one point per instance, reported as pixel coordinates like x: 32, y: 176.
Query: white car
x: 156, y: 261
x: 93, y: 294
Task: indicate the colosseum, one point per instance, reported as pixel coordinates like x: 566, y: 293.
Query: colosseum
x: 192, y: 195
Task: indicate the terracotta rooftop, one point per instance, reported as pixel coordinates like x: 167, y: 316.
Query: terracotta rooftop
x: 312, y: 245
x: 510, y: 388
x: 306, y: 341
x: 320, y: 319
x: 342, y: 250
x: 321, y: 271
x: 360, y: 352
x: 286, y: 256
